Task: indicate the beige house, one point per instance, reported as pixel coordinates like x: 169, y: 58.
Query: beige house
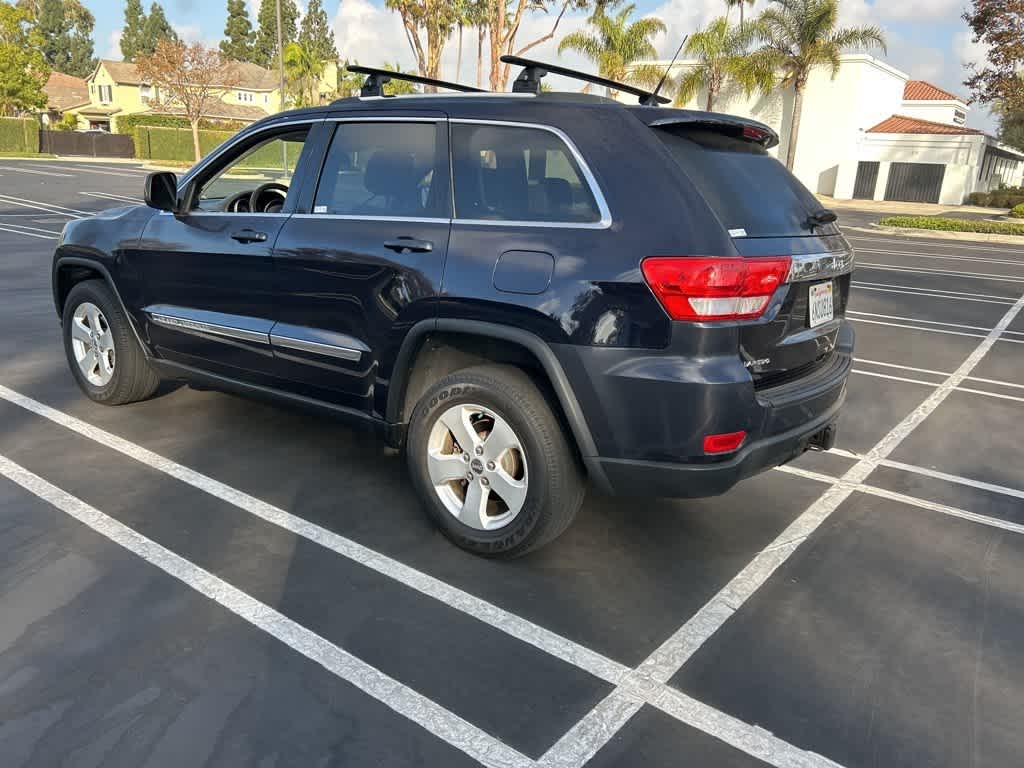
x: 115, y: 90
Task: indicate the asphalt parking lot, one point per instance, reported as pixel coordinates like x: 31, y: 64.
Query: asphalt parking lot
x: 203, y: 579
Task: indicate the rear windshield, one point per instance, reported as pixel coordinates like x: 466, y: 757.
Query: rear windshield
x: 747, y: 188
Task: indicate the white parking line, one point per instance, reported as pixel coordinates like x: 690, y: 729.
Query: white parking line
x: 998, y: 248
x: 918, y: 328
x: 34, y: 171
x: 894, y: 378
x: 421, y: 710
x: 54, y: 232
x: 45, y: 207
x: 488, y: 613
x: 25, y: 231
x: 636, y: 690
x: 958, y: 479
x: 111, y: 196
x: 1001, y: 297
x: 933, y: 294
x: 914, y: 254
x: 92, y: 169
x: 669, y: 658
x: 997, y: 382
x: 943, y: 272
x: 920, y: 320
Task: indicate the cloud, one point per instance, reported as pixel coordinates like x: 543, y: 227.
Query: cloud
x: 194, y: 33
x: 114, y: 44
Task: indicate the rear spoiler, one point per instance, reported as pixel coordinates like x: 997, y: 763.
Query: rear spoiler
x: 741, y: 128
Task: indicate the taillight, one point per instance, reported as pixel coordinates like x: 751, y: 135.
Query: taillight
x: 715, y: 288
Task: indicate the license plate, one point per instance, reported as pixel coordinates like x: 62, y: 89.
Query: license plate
x: 820, y: 301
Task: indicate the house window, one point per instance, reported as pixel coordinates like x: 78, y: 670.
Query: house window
x: 106, y: 94
x: 959, y: 116
x: 145, y: 92
x: 244, y: 96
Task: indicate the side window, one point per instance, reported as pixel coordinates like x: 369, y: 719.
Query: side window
x: 505, y: 173
x: 269, y: 161
x: 384, y: 169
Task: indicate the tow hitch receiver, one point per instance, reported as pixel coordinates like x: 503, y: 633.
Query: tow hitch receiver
x: 824, y: 440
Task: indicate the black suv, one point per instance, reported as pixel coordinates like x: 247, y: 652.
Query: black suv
x: 523, y: 290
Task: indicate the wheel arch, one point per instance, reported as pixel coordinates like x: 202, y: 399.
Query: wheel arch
x: 462, y: 343
x: 69, y: 270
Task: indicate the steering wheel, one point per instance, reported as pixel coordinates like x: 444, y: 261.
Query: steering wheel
x: 271, y: 206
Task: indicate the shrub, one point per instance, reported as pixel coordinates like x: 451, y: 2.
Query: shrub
x: 1009, y: 197
x: 153, y: 143
x: 1018, y: 211
x: 128, y: 123
x: 19, y: 134
x: 68, y: 122
x: 955, y: 225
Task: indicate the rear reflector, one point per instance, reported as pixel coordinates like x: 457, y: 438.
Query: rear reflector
x: 724, y: 443
x: 715, y: 288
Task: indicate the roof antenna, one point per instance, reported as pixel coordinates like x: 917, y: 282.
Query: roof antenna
x: 652, y: 100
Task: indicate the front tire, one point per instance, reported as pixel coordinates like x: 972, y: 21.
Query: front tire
x: 491, y: 462
x: 104, y: 356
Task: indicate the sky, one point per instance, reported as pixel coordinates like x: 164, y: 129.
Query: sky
x: 926, y: 38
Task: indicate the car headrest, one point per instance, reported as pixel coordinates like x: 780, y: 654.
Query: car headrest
x: 558, y: 193
x: 391, y: 174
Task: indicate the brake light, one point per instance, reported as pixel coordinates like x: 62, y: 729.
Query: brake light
x: 754, y: 134
x: 724, y: 443
x: 715, y: 288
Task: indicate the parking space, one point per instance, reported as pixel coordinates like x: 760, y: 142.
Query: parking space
x: 207, y: 578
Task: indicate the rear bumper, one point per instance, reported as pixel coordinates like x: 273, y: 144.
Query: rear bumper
x: 650, y: 445
x: 622, y: 477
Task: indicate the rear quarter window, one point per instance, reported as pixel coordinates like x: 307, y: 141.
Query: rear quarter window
x: 507, y: 173
x: 747, y: 188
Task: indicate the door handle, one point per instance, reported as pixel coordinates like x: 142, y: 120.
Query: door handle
x: 249, y: 236
x: 409, y: 245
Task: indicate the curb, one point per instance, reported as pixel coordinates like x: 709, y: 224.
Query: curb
x: 935, y: 234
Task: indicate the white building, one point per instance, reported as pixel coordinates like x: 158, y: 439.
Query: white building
x: 873, y: 133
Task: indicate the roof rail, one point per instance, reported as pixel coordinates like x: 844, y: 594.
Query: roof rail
x: 529, y: 80
x: 376, y: 78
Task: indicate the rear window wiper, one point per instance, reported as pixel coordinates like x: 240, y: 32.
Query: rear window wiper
x: 823, y: 216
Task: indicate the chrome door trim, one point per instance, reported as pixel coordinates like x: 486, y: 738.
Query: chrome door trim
x: 595, y: 189
x: 360, y: 217
x: 198, y: 321
x: 317, y: 342
x: 815, y: 266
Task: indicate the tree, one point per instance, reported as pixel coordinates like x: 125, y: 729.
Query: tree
x: 302, y: 68
x: 1000, y: 25
x: 65, y: 27
x: 616, y: 43
x: 721, y: 53
x: 316, y: 34
x: 133, y: 30
x: 436, y: 19
x: 799, y: 35
x: 503, y: 20
x: 238, y: 33
x: 1011, y: 128
x: 264, y: 51
x: 156, y: 28
x: 730, y: 4
x: 189, y: 79
x: 397, y: 87
x: 349, y: 83
x: 23, y: 70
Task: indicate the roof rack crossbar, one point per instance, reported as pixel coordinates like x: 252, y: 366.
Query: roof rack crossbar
x: 376, y: 78
x: 529, y: 79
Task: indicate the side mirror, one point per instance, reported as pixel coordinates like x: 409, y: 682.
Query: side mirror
x: 162, y: 191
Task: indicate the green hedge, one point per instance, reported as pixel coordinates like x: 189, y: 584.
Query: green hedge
x: 1018, y: 211
x: 152, y: 143
x: 19, y: 134
x: 1010, y: 197
x: 128, y: 123
x: 955, y: 225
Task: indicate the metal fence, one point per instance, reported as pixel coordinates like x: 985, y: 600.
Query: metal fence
x: 91, y: 144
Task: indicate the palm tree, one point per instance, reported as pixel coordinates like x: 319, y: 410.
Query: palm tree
x: 303, y: 68
x: 722, y: 54
x: 799, y: 35
x: 730, y: 4
x: 616, y: 44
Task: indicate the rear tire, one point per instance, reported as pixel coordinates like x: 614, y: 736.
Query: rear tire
x: 102, y: 351
x: 500, y: 497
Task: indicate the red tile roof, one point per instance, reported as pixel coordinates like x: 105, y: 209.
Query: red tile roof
x: 901, y: 124
x: 919, y: 90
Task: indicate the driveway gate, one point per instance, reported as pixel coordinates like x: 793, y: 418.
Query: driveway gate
x: 866, y: 181
x: 915, y: 182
